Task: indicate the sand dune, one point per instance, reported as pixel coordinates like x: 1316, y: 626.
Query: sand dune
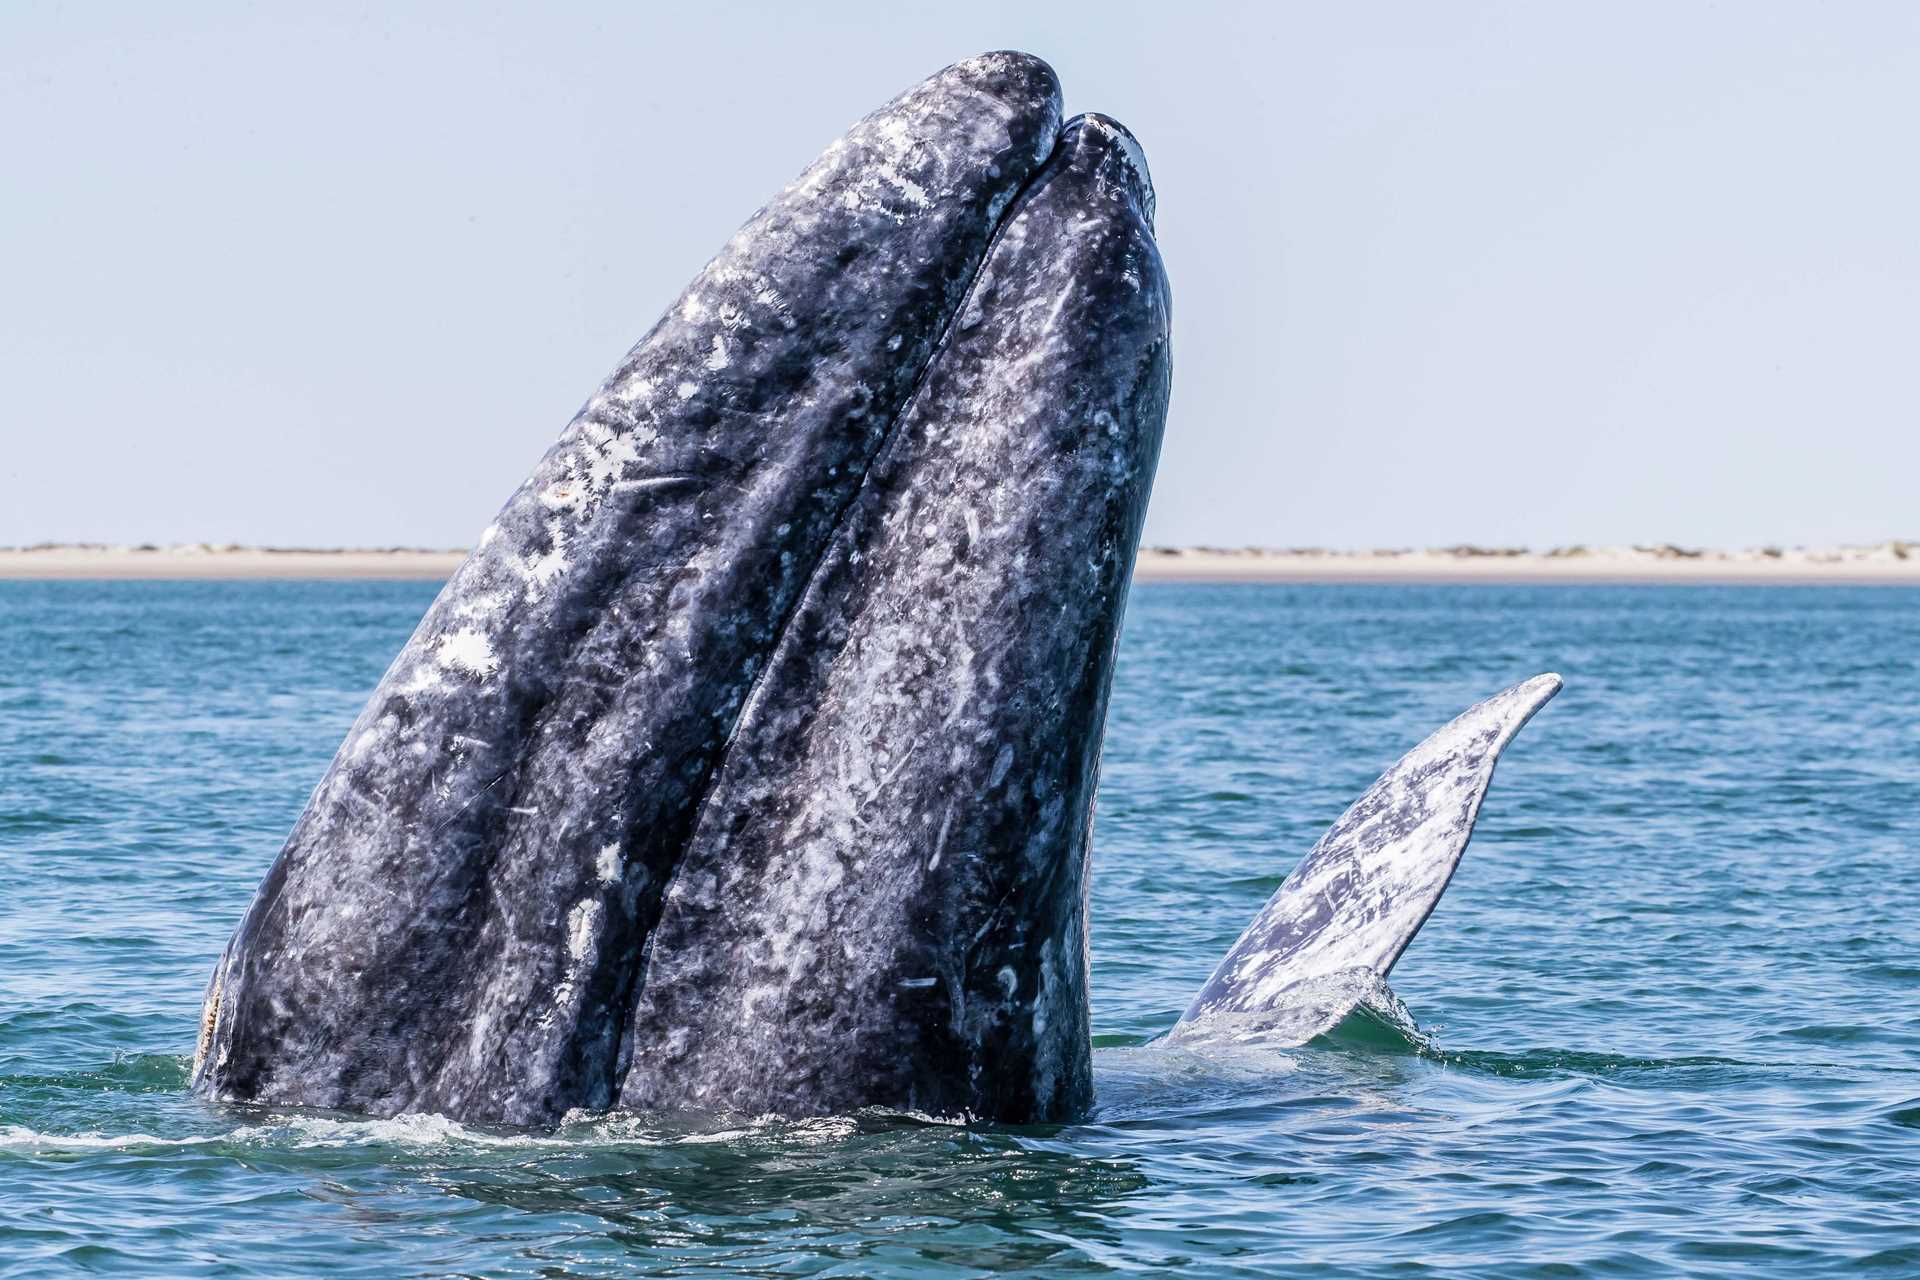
x: 1886, y: 562
x: 198, y: 560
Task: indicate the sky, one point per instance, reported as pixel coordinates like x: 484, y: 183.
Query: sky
x: 1507, y: 274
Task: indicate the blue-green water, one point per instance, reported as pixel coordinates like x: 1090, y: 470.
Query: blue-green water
x: 1670, y: 1008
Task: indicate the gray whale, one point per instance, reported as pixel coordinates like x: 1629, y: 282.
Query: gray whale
x: 464, y: 916
x: 748, y: 762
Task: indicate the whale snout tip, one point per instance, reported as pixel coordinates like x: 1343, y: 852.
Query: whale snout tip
x: 1118, y: 142
x: 1011, y: 74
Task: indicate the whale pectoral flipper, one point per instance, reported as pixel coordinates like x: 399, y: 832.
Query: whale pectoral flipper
x: 1361, y: 894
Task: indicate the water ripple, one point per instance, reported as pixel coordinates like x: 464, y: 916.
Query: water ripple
x: 1661, y: 1025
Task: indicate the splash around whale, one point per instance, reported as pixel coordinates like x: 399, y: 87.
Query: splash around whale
x: 748, y: 763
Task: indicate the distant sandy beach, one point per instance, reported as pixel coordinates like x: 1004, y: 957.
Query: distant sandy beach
x: 1883, y: 563
x: 1887, y: 562
x: 197, y: 560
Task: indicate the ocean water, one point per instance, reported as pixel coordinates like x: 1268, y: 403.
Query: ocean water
x: 1666, y: 1021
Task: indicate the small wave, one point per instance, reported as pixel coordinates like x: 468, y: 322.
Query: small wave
x: 1353, y: 1008
x: 1381, y: 1022
x: 1844, y: 1034
x: 1900, y: 973
x: 1544, y: 1062
x: 410, y: 1130
x: 1905, y: 1114
x: 420, y: 1130
x: 1356, y: 1010
x: 290, y: 1132
x: 19, y: 1138
x: 127, y: 1073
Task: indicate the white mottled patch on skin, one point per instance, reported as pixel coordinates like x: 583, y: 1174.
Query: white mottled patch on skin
x: 481, y: 605
x: 897, y: 133
x: 609, y: 864
x: 885, y: 180
x: 915, y: 194
x: 1043, y: 1002
x: 542, y: 569
x: 371, y: 735
x: 583, y: 928
x: 717, y: 357
x: 686, y: 390
x: 583, y: 942
x: 481, y: 1038
x: 600, y: 466
x: 467, y: 650
x: 560, y: 496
